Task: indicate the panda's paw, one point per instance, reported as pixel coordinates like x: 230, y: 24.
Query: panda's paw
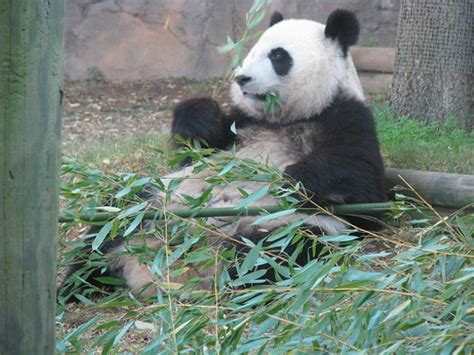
x: 199, y: 119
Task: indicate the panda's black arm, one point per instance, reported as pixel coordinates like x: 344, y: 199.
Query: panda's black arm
x: 335, y: 176
x: 202, y: 119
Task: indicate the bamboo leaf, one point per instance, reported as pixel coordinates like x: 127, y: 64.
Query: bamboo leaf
x: 338, y: 238
x: 256, y: 6
x: 273, y: 216
x: 251, y: 258
x: 227, y: 168
x: 252, y: 277
x: 123, y: 192
x: 110, y: 281
x: 233, y: 129
x: 100, y: 237
x: 140, y: 182
x: 132, y: 210
x: 229, y: 46
x: 251, y: 345
x: 256, y: 19
x: 397, y: 310
x: 253, y: 197
x: 122, y: 332
x: 138, y: 219
x: 181, y: 250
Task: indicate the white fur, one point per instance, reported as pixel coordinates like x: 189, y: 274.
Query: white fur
x: 319, y: 70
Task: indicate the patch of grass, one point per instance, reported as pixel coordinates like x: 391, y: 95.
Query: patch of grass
x: 371, y: 42
x: 202, y: 87
x: 95, y: 73
x: 412, y: 144
x: 145, y: 154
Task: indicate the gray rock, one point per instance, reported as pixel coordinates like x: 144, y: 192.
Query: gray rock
x: 142, y: 39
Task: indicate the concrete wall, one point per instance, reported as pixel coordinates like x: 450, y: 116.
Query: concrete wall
x: 149, y: 39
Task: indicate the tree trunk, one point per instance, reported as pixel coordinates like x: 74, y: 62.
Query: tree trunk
x: 434, y: 62
x: 31, y: 59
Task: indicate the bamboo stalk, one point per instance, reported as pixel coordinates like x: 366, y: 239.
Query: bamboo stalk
x: 348, y: 209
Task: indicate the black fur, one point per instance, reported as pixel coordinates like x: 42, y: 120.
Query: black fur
x: 281, y: 61
x: 342, y: 26
x: 201, y: 118
x: 276, y: 17
x: 345, y: 165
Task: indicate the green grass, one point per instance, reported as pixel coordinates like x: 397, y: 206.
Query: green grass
x: 148, y: 153
x: 411, y: 144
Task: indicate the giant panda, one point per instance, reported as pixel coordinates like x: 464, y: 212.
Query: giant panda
x: 322, y: 135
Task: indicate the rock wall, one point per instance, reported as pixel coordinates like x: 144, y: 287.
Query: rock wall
x: 149, y: 39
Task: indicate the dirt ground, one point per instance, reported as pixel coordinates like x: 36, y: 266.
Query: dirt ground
x: 96, y: 109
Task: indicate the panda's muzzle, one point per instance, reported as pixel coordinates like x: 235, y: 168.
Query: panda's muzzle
x: 260, y: 97
x: 242, y: 79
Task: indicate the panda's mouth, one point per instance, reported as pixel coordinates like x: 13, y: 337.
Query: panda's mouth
x: 260, y: 97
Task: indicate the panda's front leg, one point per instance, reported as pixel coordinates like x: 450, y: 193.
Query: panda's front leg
x: 202, y: 119
x: 324, y: 182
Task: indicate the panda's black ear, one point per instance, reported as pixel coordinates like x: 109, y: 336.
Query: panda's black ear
x: 276, y: 17
x: 342, y: 26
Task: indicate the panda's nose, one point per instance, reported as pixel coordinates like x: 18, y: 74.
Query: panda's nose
x: 242, y: 79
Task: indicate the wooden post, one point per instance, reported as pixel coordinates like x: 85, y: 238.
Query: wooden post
x: 31, y: 60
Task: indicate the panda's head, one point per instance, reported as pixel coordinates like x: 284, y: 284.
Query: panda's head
x: 304, y: 62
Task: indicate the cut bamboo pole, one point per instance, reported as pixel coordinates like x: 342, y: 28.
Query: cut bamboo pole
x: 349, y: 209
x: 452, y: 191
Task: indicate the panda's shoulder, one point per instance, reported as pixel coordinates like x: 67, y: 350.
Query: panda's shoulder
x: 348, y: 112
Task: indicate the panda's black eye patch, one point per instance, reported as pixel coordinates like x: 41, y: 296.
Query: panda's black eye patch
x: 281, y: 61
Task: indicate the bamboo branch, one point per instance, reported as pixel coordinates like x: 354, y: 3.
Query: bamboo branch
x: 349, y: 209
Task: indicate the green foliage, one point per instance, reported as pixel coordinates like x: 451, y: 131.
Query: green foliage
x: 371, y: 42
x: 94, y: 73
x: 271, y: 103
x: 412, y: 294
x: 254, y: 16
x: 412, y: 144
